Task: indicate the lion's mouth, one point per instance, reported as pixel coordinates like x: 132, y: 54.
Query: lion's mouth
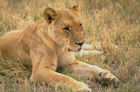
x: 74, y: 50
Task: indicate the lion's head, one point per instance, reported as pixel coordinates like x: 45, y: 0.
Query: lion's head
x: 65, y: 27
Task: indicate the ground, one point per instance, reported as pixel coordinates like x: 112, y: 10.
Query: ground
x: 112, y: 27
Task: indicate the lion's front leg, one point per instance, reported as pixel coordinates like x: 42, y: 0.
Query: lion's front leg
x: 43, y: 70
x: 53, y: 78
x: 92, y: 71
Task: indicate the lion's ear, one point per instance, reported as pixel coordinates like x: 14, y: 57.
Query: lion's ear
x: 49, y: 15
x: 75, y: 8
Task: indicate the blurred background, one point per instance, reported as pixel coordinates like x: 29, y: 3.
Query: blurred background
x: 112, y: 27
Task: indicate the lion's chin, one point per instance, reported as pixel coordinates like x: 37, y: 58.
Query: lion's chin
x: 79, y: 49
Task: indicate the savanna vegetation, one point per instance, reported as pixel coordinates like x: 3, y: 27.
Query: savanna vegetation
x: 112, y: 27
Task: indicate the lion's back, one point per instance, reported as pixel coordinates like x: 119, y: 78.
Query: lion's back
x: 8, y: 42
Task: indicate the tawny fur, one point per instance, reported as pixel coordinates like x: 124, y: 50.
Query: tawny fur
x: 47, y: 50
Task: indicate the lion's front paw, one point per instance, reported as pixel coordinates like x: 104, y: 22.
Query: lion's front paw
x: 109, y: 79
x: 83, y: 88
x: 112, y: 80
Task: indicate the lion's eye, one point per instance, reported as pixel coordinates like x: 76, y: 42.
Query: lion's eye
x: 67, y: 28
x: 80, y: 25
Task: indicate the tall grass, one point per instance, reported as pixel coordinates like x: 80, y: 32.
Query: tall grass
x: 112, y: 26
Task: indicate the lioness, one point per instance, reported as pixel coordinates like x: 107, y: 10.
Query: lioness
x: 49, y: 50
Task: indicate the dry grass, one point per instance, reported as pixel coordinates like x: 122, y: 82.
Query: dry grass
x: 112, y: 26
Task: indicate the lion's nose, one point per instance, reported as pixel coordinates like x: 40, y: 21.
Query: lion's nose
x: 79, y: 43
